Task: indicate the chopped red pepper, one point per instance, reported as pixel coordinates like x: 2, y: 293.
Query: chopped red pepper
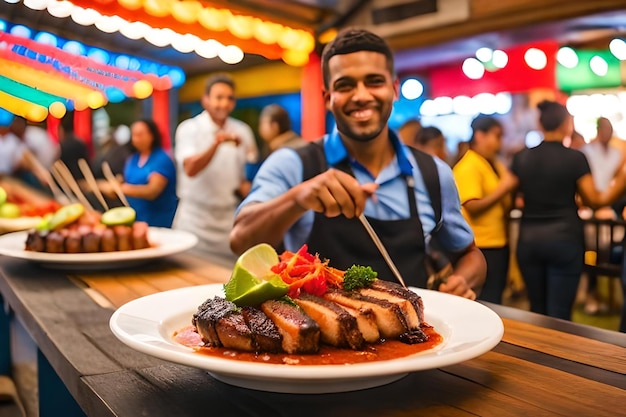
x: 306, y: 272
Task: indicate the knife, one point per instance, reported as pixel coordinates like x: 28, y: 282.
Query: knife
x: 381, y: 248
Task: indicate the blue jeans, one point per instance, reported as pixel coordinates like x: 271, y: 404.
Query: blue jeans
x: 551, y: 271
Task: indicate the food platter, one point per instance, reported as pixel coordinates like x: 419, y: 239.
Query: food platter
x: 147, y: 324
x: 165, y: 242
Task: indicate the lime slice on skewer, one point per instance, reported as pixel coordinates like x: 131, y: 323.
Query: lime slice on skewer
x: 66, y: 215
x: 119, y: 216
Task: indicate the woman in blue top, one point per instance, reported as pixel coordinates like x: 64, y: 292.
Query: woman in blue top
x: 150, y: 177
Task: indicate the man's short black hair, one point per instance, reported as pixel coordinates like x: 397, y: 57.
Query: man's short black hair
x: 483, y: 123
x: 354, y: 40
x: 220, y: 78
x: 552, y: 115
x: 278, y: 115
x: 427, y: 134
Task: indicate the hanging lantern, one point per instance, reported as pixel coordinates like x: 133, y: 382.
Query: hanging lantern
x: 142, y: 89
x: 57, y: 109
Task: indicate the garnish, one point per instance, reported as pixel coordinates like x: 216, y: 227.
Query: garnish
x: 306, y: 272
x: 358, y: 276
x: 252, y: 280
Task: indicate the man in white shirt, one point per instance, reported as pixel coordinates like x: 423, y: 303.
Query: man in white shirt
x: 211, y: 152
x: 37, y: 141
x: 604, y: 159
x: 17, y: 160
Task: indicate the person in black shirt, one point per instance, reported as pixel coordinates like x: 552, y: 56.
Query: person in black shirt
x: 72, y: 148
x: 551, y: 243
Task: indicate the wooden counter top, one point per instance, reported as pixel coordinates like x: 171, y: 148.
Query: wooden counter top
x: 542, y: 366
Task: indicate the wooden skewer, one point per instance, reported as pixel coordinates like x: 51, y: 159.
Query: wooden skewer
x: 42, y: 172
x: 108, y: 174
x: 67, y: 176
x: 66, y: 189
x: 91, y: 180
x: 59, y: 195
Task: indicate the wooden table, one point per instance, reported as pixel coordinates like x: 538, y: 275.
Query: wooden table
x: 542, y: 366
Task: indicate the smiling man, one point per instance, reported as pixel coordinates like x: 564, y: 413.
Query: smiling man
x: 211, y: 151
x: 314, y: 194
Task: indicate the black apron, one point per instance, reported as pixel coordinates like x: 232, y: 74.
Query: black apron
x: 345, y: 242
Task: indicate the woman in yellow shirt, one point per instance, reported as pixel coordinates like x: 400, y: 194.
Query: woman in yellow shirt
x: 485, y: 186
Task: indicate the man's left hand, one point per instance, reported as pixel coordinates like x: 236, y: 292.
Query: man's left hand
x: 457, y: 285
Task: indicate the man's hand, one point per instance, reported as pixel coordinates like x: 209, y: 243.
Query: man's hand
x: 225, y: 137
x: 333, y: 193
x: 457, y: 285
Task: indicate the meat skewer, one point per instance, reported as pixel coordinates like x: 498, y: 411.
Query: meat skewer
x: 108, y: 174
x: 66, y: 189
x: 67, y: 176
x: 91, y: 181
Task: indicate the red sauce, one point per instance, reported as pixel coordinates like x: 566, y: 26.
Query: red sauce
x: 327, y: 355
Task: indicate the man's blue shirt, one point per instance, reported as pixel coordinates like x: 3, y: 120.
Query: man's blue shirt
x: 282, y: 170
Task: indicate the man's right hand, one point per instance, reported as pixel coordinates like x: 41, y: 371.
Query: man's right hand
x: 223, y: 137
x: 333, y: 193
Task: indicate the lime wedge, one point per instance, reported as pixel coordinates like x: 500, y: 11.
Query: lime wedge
x: 252, y: 269
x: 119, y: 216
x: 66, y: 215
x: 240, y: 281
x: 44, y: 223
x: 272, y: 289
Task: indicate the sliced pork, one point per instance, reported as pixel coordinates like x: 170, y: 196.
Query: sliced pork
x: 206, y: 318
x: 338, y: 327
x: 389, y: 317
x: 300, y: 333
x: 234, y: 333
x: 400, y: 291
x: 264, y: 331
x: 366, y: 323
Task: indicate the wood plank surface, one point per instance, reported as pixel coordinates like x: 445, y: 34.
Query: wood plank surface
x: 564, y: 345
x: 555, y: 391
x: 187, y: 392
x: 541, y: 368
x: 120, y: 287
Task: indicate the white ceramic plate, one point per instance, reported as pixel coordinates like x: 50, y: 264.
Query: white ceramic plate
x: 165, y: 241
x: 148, y: 323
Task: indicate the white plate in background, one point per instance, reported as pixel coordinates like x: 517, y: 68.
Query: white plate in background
x: 165, y: 242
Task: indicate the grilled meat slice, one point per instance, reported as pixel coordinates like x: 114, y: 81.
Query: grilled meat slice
x: 73, y: 241
x: 123, y: 237
x: 389, y: 317
x: 400, y: 291
x: 234, y: 333
x: 264, y: 331
x: 300, y: 333
x: 36, y: 240
x: 366, y: 322
x: 91, y: 239
x: 206, y: 318
x: 338, y: 327
x: 140, y: 235
x: 55, y: 242
x: 410, y: 315
x: 108, y: 243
